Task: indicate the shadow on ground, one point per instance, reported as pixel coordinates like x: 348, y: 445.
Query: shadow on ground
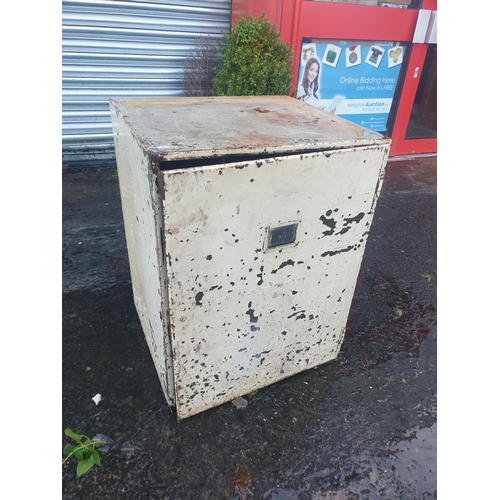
x: 360, y: 427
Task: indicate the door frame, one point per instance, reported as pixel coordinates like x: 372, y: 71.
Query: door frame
x: 400, y: 145
x: 414, y: 71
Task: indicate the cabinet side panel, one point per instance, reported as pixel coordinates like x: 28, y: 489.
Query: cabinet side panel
x: 139, y: 206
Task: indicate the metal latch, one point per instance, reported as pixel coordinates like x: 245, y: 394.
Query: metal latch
x: 282, y: 235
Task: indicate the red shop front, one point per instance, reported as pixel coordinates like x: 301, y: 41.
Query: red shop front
x: 375, y: 61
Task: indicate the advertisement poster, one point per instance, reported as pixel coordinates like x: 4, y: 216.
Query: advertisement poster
x: 356, y: 82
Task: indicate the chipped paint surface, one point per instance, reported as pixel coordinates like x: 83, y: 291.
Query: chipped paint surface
x: 243, y: 318
x: 188, y: 128
x: 143, y: 229
x: 224, y: 312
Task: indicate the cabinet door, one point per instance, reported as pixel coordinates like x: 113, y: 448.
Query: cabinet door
x: 262, y: 260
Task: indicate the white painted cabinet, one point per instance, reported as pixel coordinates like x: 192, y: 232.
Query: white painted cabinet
x: 246, y: 220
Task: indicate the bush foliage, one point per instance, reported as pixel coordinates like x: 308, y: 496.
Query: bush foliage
x: 254, y: 60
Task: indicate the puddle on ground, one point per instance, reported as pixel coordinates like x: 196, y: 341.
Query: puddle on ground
x: 406, y: 471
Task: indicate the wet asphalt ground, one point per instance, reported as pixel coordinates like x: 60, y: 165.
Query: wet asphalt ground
x: 360, y: 427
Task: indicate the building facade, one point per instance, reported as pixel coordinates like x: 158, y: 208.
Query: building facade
x: 376, y: 59
x: 125, y: 48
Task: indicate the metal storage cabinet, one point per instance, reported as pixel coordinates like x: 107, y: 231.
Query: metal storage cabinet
x: 246, y: 220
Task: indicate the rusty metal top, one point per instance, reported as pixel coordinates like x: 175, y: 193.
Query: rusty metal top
x: 185, y: 128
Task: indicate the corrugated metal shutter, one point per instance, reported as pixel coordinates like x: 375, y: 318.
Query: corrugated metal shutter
x: 128, y: 48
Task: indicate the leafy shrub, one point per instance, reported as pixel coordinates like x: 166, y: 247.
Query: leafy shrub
x: 254, y: 60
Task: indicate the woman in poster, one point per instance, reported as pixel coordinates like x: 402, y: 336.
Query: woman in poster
x: 308, y: 88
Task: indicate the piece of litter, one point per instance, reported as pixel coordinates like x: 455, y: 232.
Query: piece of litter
x: 240, y: 403
x: 127, y: 449
x: 106, y: 445
x: 96, y: 399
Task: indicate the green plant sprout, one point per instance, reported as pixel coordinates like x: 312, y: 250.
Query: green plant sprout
x: 427, y: 276
x: 261, y: 395
x: 84, y: 451
x: 398, y: 312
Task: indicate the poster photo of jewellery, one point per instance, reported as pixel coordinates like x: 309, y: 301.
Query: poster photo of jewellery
x: 354, y: 80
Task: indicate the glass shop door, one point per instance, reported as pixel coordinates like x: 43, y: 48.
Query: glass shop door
x: 414, y: 129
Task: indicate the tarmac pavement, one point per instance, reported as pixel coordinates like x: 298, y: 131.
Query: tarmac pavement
x: 360, y: 427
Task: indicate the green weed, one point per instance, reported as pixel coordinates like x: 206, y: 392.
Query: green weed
x: 84, y: 451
